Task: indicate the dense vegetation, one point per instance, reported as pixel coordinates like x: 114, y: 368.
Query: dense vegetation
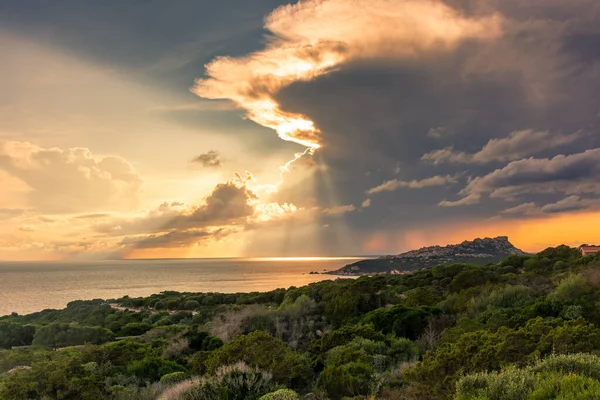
x: 524, y: 328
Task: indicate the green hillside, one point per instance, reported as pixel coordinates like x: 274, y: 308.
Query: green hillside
x: 523, y: 328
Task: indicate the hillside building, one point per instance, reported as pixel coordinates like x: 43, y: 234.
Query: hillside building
x: 589, y: 250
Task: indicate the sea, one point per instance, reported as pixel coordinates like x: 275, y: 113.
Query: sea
x: 27, y: 287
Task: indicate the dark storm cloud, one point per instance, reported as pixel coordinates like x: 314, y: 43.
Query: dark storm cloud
x: 171, y: 40
x: 210, y: 159
x: 532, y: 91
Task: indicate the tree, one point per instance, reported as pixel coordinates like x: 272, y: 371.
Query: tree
x: 13, y: 334
x: 57, y: 335
x: 191, y: 305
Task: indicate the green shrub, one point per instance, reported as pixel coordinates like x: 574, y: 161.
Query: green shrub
x: 173, y: 377
x: 510, y: 384
x: 483, y: 350
x: 348, y: 380
x: 261, y: 350
x: 574, y: 387
x: 503, y: 297
x: 570, y: 288
x: 347, y: 334
x: 135, y: 329
x: 579, y: 363
x: 400, y: 320
x: 191, y: 305
x: 281, y: 394
x: 57, y: 335
x: 232, y: 382
x: 574, y: 376
x: 152, y: 368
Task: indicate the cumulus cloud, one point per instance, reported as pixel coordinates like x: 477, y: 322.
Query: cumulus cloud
x: 229, y: 203
x: 312, y: 37
x: 231, y: 207
x: 517, y: 145
x: 396, y: 184
x: 210, y: 159
x: 573, y: 174
x: 71, y: 180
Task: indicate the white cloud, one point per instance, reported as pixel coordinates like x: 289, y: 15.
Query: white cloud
x: 71, y: 180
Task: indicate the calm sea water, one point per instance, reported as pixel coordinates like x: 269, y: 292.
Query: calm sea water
x: 27, y: 287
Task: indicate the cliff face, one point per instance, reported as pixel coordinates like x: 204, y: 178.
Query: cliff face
x: 478, y: 251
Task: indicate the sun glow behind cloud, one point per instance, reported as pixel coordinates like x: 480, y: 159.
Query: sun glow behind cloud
x: 313, y: 37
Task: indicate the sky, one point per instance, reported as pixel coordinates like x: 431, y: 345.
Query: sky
x: 193, y: 128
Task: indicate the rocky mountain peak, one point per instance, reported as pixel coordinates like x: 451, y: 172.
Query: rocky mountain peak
x: 477, y: 247
x: 479, y: 251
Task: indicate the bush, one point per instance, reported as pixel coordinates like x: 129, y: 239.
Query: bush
x: 232, y: 382
x: 574, y: 376
x: 152, y: 368
x: 503, y: 297
x: 351, y: 379
x: 511, y: 384
x: 484, y: 350
x: 135, y: 329
x: 347, y: 334
x: 579, y: 363
x: 281, y: 394
x: 400, y: 320
x: 191, y: 305
x: 261, y: 350
x: 173, y: 377
x: 569, y: 289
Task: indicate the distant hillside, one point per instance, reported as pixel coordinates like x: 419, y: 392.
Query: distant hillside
x: 478, y: 251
